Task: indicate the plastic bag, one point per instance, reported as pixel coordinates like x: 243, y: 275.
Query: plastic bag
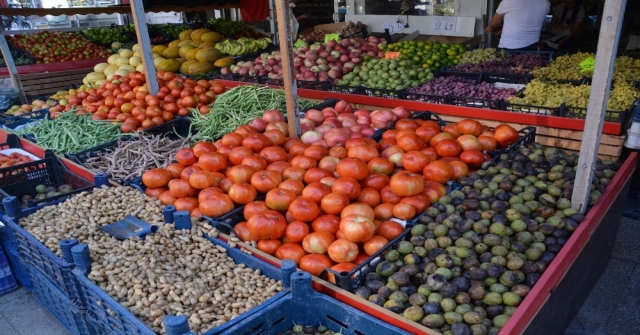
x: 9, y: 95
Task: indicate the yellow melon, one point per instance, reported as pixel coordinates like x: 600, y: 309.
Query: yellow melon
x: 199, y: 68
x: 208, y: 44
x: 140, y: 67
x: 185, y: 34
x: 174, y: 43
x: 185, y: 66
x: 157, y: 61
x: 135, y: 47
x: 191, y: 54
x: 110, y: 69
x: 159, y: 49
x: 100, y: 67
x: 170, y: 65
x: 208, y: 55
x: 112, y: 59
x: 126, y: 53
x: 197, y: 34
x: 127, y: 67
x: 155, y: 55
x: 92, y: 77
x: 212, y: 36
x: 171, y: 53
x: 181, y: 60
x: 135, y: 61
x: 183, y: 50
x: 223, y: 62
x: 195, y: 43
x: 122, y: 72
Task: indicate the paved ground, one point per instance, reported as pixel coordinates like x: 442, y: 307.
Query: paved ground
x: 610, y: 309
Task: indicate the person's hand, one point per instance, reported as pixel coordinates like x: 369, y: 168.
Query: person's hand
x: 488, y: 30
x: 303, y: 16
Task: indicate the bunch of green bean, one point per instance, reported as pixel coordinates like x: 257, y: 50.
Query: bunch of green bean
x: 238, y: 106
x: 71, y: 133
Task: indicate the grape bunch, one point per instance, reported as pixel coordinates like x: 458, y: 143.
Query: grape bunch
x: 481, y: 55
x: 512, y: 64
x: 463, y: 87
x: 552, y: 94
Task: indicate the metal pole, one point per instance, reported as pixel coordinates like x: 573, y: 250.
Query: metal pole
x: 144, y: 42
x: 598, y: 98
x: 11, y: 65
x: 286, y: 52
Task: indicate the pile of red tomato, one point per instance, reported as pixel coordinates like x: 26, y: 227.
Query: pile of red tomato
x: 323, y: 207
x: 126, y: 99
x: 53, y: 47
x: 441, y: 153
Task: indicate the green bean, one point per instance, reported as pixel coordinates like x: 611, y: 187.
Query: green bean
x: 236, y: 107
x: 71, y: 133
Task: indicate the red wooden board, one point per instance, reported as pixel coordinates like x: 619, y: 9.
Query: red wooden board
x: 54, y: 67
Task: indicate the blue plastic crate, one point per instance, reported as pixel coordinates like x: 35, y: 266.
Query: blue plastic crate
x: 20, y: 120
x: 10, y: 245
x: 111, y: 318
x: 304, y: 306
x: 36, y: 255
x: 58, y: 303
x: 7, y: 280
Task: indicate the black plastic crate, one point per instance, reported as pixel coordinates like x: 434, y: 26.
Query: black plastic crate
x: 532, y: 109
x: 476, y: 102
x: 306, y: 84
x: 22, y: 179
x: 581, y: 113
x: 508, y: 78
x: 424, y: 97
x: 527, y: 136
x: 178, y: 127
x: 246, y: 79
x: 347, y: 89
x: 548, y: 55
x: 473, y: 76
x: 363, y: 33
x: 377, y: 136
x: 14, y: 122
x: 330, y: 102
x: 81, y: 157
x: 384, y: 93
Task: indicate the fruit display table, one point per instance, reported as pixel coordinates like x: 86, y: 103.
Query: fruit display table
x: 560, y: 132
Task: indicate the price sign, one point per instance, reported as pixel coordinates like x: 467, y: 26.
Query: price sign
x: 329, y: 37
x: 391, y: 54
x: 443, y: 24
x: 588, y: 64
x: 394, y: 25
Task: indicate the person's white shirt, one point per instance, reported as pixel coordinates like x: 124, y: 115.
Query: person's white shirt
x: 523, y: 20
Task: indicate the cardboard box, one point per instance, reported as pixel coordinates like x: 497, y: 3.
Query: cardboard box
x: 330, y: 26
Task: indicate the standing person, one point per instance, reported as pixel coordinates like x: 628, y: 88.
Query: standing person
x: 522, y: 20
x: 567, y: 18
x: 295, y: 25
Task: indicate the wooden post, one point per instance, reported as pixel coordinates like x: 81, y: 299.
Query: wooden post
x: 11, y: 66
x: 288, y: 75
x: 144, y: 43
x: 605, y: 59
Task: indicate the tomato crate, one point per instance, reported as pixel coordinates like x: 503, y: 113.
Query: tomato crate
x: 384, y: 93
x: 10, y: 246
x: 7, y: 280
x: 12, y: 123
x: 581, y: 113
x: 532, y: 109
x: 306, y: 307
x: 58, y: 304
x: 527, y: 136
x: 111, y: 318
x: 21, y: 180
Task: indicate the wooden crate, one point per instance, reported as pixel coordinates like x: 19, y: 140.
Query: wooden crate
x: 46, y: 84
